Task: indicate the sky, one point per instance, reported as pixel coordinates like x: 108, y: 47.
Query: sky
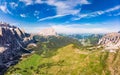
x: 65, y: 16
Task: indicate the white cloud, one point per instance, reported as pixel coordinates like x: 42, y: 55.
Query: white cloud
x: 38, y: 1
x: 67, y: 7
x: 13, y: 5
x: 30, y: 2
x: 4, y: 8
x: 97, y: 13
x: 23, y: 15
x: 63, y: 8
x: 51, y: 17
x: 83, y: 2
x: 27, y: 2
x: 114, y: 8
x: 36, y: 13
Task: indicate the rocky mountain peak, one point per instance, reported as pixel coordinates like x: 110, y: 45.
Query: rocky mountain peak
x: 12, y: 39
x: 110, y: 41
x: 48, y: 32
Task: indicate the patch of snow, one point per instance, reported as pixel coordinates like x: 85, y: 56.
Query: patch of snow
x: 2, y: 49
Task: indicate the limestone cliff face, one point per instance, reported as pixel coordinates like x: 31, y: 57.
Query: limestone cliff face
x: 11, y: 40
x: 48, y: 32
x: 110, y: 41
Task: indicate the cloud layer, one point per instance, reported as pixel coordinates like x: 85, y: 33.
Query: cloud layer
x: 72, y: 29
x: 97, y: 13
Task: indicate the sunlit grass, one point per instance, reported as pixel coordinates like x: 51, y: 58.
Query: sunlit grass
x: 67, y: 60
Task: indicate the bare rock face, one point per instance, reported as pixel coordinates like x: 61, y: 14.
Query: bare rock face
x: 11, y: 40
x: 110, y: 41
x: 48, y: 32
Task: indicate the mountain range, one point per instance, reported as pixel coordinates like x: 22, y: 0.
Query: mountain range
x: 14, y: 43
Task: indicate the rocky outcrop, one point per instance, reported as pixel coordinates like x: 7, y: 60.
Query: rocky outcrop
x: 110, y: 41
x: 48, y: 32
x: 11, y: 40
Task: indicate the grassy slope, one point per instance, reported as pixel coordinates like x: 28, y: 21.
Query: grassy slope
x: 68, y: 61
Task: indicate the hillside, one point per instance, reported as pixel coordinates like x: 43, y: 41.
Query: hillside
x: 70, y: 60
x: 47, y: 45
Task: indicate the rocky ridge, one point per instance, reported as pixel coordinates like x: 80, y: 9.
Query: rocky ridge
x: 12, y: 40
x: 110, y: 41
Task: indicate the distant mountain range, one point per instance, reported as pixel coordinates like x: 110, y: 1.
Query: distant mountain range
x: 86, y: 39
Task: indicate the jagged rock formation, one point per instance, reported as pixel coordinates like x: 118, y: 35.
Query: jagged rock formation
x: 110, y: 41
x: 118, y: 31
x: 48, y: 32
x: 11, y: 40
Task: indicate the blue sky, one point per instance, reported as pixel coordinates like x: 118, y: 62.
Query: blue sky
x: 66, y: 16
